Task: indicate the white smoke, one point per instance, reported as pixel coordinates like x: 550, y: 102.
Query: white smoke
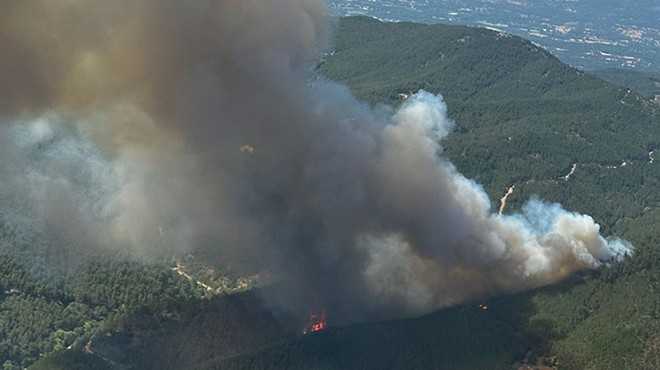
x: 131, y: 132
x: 455, y: 246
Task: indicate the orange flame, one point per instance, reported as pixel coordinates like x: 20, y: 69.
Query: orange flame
x: 315, y: 322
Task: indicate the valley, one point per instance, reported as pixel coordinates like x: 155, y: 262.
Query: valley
x: 585, y: 34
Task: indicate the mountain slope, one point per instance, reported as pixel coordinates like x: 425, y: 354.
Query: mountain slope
x: 523, y: 119
x: 647, y: 84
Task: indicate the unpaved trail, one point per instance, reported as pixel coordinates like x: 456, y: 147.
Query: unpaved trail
x: 88, y: 350
x: 503, y: 199
x: 179, y: 270
x: 568, y: 176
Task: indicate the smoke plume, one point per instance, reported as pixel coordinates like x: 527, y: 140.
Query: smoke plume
x: 168, y: 126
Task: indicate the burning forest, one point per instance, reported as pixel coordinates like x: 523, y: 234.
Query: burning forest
x: 120, y: 128
x: 316, y: 322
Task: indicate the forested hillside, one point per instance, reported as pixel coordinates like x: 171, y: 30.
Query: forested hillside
x: 646, y: 84
x: 48, y: 303
x: 522, y: 119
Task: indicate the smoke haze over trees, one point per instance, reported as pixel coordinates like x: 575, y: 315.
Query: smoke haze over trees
x: 124, y: 127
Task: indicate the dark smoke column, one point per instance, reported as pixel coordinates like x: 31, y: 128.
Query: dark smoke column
x: 172, y: 126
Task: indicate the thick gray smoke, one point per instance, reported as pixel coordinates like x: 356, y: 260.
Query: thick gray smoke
x: 170, y: 126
